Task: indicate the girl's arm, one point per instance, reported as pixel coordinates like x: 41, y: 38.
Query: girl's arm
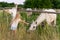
x: 23, y: 21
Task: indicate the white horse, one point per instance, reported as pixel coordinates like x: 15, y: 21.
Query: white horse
x: 44, y: 16
x: 12, y: 11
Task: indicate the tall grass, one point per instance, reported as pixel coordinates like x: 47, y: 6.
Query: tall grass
x: 45, y: 33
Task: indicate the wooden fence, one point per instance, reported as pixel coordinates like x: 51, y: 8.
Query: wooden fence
x: 35, y: 10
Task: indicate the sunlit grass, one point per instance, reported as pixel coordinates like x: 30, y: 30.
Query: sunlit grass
x: 41, y: 33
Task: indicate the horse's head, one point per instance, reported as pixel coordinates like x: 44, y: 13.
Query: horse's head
x: 7, y: 11
x: 11, y: 11
x: 33, y: 26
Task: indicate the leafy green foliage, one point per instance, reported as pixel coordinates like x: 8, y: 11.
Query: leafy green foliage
x: 5, y: 4
x: 42, y: 4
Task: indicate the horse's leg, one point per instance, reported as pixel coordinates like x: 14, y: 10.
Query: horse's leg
x: 54, y: 23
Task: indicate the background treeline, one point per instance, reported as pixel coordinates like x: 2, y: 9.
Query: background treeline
x: 35, y: 4
x: 5, y: 4
x: 42, y: 4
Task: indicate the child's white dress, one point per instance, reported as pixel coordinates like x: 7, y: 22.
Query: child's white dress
x: 14, y: 25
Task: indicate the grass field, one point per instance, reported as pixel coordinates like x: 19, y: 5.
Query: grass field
x: 45, y: 33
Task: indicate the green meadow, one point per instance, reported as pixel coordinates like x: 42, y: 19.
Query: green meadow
x: 41, y: 33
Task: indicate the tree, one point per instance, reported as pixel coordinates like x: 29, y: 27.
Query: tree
x: 38, y: 4
x: 56, y: 3
x: 28, y: 4
x: 5, y: 4
x: 42, y: 4
x: 32, y: 3
x: 46, y: 4
x: 20, y: 5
